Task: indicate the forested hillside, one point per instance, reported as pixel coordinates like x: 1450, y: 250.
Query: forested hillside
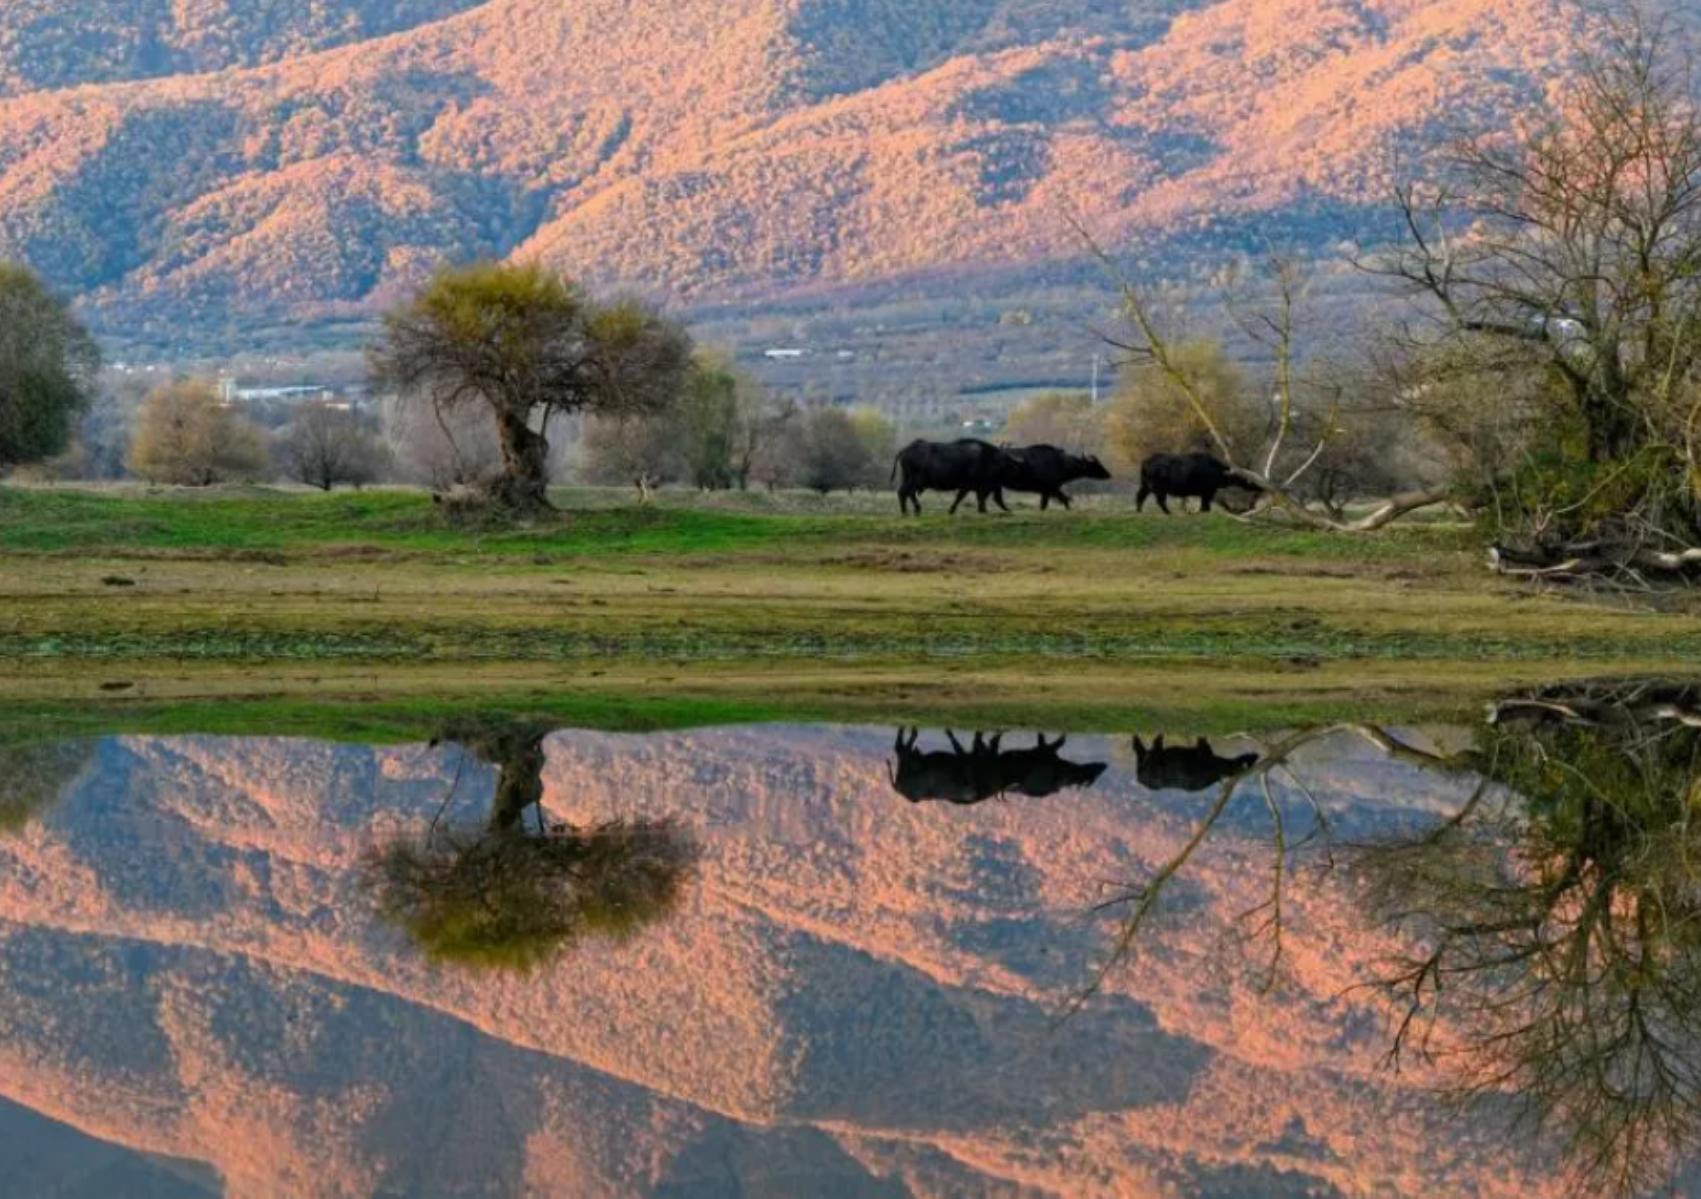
x: 182, y: 165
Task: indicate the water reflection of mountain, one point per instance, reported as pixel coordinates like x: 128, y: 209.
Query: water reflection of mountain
x: 851, y: 997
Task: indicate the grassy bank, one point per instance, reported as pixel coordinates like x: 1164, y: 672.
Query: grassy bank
x: 764, y: 599
x: 415, y: 705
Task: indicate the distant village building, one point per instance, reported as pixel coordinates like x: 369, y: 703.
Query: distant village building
x: 232, y: 393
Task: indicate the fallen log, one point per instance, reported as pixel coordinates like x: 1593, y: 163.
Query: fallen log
x: 1572, y: 561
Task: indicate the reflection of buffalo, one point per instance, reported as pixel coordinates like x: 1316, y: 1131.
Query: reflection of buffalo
x: 983, y: 770
x: 1159, y: 768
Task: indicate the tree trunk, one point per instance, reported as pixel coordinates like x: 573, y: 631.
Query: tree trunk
x: 523, y: 485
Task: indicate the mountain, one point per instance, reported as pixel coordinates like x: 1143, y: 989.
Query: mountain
x: 191, y: 163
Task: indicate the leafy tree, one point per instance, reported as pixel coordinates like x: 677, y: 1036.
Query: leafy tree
x: 185, y: 435
x: 834, y: 455
x: 709, y: 420
x: 879, y: 438
x: 523, y: 344
x: 32, y: 776
x: 1152, y: 413
x: 48, y: 363
x: 324, y: 445
x: 724, y: 418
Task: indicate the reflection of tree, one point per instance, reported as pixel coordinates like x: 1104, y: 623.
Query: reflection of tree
x: 502, y: 894
x: 33, y: 776
x: 1555, y: 917
x: 1558, y: 926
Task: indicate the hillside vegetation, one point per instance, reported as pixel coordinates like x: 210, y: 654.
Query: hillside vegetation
x: 48, y: 44
x: 246, y: 159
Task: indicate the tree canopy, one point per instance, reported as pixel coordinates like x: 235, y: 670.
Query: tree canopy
x: 48, y: 364
x: 524, y: 344
x: 184, y: 435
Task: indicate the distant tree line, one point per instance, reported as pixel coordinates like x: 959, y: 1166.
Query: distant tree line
x: 494, y: 379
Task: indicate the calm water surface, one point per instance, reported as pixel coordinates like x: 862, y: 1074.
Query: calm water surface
x: 858, y: 961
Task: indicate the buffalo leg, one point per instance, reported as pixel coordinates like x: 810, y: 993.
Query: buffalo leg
x: 1064, y: 500
x: 998, y: 498
x: 1140, y: 500
x: 1163, y: 502
x: 1205, y: 501
x: 1045, y: 501
x: 980, y: 501
x: 958, y: 502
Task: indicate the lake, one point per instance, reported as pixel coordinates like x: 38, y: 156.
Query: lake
x: 825, y: 960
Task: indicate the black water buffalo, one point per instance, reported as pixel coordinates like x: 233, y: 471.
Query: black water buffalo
x: 960, y: 466
x: 1181, y: 475
x: 1045, y: 469
x: 984, y: 769
x: 1195, y: 768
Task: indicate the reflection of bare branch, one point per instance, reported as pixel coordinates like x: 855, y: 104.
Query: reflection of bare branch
x: 1142, y: 900
x: 1553, y: 918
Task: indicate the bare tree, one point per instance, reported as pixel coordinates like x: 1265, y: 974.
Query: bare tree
x: 645, y: 451
x: 325, y: 445
x: 436, y: 447
x: 1278, y: 468
x: 770, y: 450
x: 1549, y: 924
x: 1571, y: 247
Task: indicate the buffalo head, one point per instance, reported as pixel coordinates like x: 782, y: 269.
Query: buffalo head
x: 1090, y: 467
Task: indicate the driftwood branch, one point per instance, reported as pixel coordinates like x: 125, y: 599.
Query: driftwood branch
x: 1572, y: 561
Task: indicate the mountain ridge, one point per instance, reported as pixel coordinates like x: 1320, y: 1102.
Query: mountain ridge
x: 727, y: 150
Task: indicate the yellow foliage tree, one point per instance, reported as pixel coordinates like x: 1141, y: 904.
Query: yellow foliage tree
x: 1152, y: 414
x: 1060, y: 418
x: 186, y: 436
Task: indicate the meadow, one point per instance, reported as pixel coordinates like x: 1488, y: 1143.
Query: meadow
x: 763, y: 606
